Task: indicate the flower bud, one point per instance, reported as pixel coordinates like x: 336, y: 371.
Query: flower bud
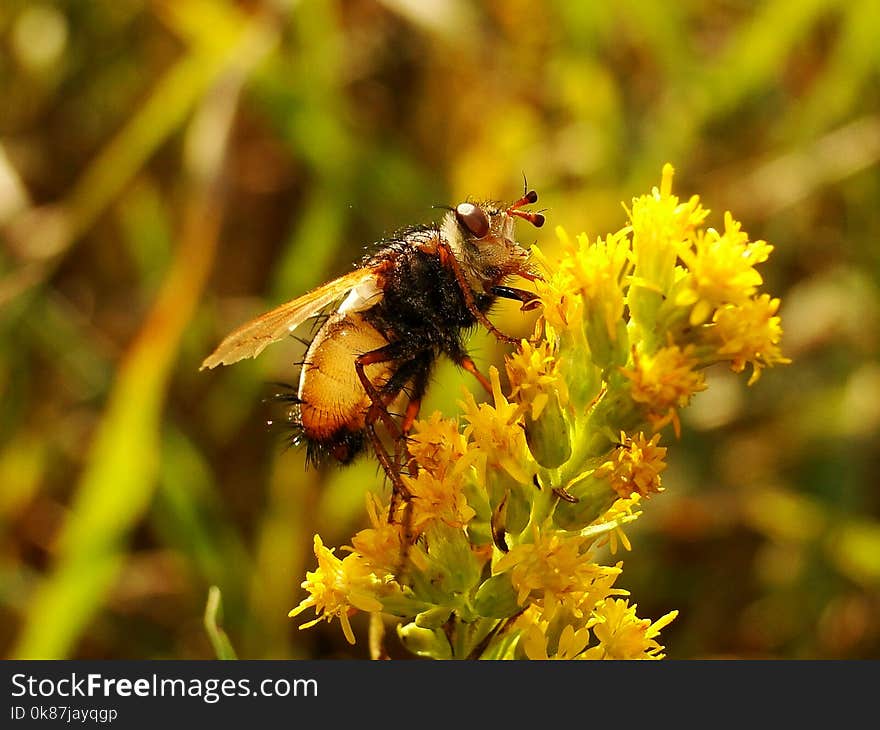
x: 433, y: 618
x: 548, y: 437
x: 496, y: 597
x: 510, y: 501
x: 431, y: 643
x: 608, y: 340
x: 594, y: 496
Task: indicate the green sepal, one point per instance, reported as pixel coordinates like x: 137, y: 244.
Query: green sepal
x: 496, y: 598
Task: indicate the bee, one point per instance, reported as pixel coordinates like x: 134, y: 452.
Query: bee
x: 390, y: 319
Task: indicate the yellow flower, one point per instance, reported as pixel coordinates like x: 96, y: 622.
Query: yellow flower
x: 571, y: 643
x: 721, y: 269
x: 438, y: 446
x: 338, y: 588
x: 619, y: 514
x: 659, y: 224
x: 585, y: 289
x: 622, y: 634
x: 749, y: 334
x: 541, y: 391
x: 434, y: 499
x: 380, y: 546
x: 556, y: 567
x: 534, y: 377
x: 559, y: 290
x: 664, y: 382
x: 599, y: 269
x: 635, y: 466
x: 495, y: 435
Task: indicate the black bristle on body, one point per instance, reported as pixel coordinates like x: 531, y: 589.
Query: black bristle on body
x: 288, y: 395
x: 318, y: 321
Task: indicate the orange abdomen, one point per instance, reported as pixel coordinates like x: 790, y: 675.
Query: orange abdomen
x: 332, y: 399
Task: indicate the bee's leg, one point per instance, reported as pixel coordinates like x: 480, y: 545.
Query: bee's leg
x: 447, y: 258
x: 415, y: 373
x: 464, y: 360
x: 399, y: 494
x: 412, y: 377
x: 378, y: 409
x: 529, y: 299
x: 456, y: 352
x: 418, y: 386
x: 410, y: 416
x: 400, y: 508
x: 530, y: 275
x: 414, y: 364
x: 392, y: 470
x: 397, y: 351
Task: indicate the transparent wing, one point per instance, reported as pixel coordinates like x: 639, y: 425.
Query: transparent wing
x: 252, y: 338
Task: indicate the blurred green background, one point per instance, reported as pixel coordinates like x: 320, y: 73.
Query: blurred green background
x: 169, y: 169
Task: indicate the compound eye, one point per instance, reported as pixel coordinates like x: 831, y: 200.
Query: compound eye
x: 473, y: 217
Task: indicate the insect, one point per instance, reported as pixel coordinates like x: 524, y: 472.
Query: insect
x: 404, y: 306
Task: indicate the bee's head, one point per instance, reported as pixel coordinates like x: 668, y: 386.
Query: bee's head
x: 481, y: 235
x: 479, y: 220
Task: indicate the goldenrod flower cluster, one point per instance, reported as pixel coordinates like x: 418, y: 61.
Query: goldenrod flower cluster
x: 513, y: 504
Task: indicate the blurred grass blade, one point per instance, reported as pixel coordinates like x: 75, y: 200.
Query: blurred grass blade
x: 191, y: 517
x: 121, y: 472
x: 213, y: 613
x: 787, y: 180
x: 162, y: 113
